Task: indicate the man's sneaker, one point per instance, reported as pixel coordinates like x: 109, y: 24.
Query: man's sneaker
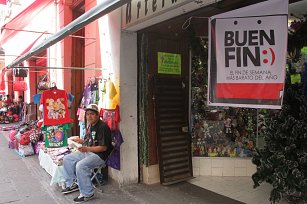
x: 81, y: 199
x: 74, y: 187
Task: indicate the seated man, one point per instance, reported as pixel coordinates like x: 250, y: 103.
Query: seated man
x: 95, y: 149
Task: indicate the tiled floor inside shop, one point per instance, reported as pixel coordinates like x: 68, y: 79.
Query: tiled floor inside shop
x: 238, y: 188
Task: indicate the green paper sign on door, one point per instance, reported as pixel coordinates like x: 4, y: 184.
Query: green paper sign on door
x: 169, y: 63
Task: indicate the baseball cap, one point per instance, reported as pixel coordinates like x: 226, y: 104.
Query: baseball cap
x: 92, y: 107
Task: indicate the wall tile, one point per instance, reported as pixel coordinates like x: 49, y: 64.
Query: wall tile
x: 240, y: 162
x: 240, y: 171
x: 217, y: 162
x: 195, y: 172
x: 217, y: 171
x: 228, y: 167
x: 205, y: 166
x: 195, y: 162
x: 250, y: 169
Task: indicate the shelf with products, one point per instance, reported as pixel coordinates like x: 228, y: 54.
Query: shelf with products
x: 218, y: 131
x: 221, y: 131
x: 224, y: 132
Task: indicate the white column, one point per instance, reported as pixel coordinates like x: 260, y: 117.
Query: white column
x: 124, y: 61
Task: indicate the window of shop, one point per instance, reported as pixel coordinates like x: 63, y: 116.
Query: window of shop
x: 221, y: 131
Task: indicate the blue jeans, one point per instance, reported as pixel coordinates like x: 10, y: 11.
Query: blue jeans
x: 78, y: 166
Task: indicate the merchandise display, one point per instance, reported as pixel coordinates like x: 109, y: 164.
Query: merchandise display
x: 93, y: 92
x: 48, y: 136
x: 24, y: 137
x: 224, y: 132
x: 228, y: 131
x: 218, y: 131
x: 101, y: 92
x: 56, y: 118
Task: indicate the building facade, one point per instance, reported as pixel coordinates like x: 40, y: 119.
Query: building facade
x: 128, y: 46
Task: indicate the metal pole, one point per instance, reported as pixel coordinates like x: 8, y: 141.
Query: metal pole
x: 33, y: 31
x: 38, y: 71
x: 88, y: 17
x: 47, y: 67
x: 257, y: 136
x: 32, y: 56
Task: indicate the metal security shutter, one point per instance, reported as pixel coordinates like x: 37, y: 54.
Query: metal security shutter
x: 172, y: 130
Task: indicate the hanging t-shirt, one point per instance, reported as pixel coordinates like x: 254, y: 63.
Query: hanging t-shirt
x: 109, y: 100
x: 114, y: 158
x: 101, y: 92
x: 86, y: 99
x: 111, y: 117
x: 111, y: 90
x: 37, y: 98
x: 55, y: 103
x: 55, y: 136
x: 81, y: 114
x: 94, y: 93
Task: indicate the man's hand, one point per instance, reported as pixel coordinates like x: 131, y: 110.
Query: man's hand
x: 83, y: 149
x: 78, y: 140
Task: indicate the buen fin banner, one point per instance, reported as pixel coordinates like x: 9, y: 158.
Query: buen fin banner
x: 247, y: 56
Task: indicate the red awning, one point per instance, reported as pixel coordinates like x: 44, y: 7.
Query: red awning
x: 30, y: 46
x: 23, y: 19
x: 2, y: 79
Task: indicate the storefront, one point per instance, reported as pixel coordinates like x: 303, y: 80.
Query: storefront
x: 174, y: 119
x: 80, y: 53
x: 155, y: 53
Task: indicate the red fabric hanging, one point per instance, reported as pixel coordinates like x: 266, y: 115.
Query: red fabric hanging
x: 3, y: 2
x: 2, y: 79
x: 20, y: 86
x: 23, y: 19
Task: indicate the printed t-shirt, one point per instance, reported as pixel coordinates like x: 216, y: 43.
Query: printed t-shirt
x: 37, y: 98
x: 114, y: 158
x: 110, y: 117
x: 55, y: 136
x: 86, y: 99
x: 55, y: 104
x: 81, y: 114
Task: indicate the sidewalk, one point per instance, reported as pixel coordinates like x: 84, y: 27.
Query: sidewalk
x: 22, y: 180
x: 238, y: 188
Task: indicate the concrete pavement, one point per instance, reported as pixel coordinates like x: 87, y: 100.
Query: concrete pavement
x: 23, y: 181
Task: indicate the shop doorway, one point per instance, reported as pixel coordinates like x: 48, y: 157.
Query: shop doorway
x: 168, y: 107
x: 172, y: 129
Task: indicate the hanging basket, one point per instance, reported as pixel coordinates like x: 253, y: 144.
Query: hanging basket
x: 44, y: 83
